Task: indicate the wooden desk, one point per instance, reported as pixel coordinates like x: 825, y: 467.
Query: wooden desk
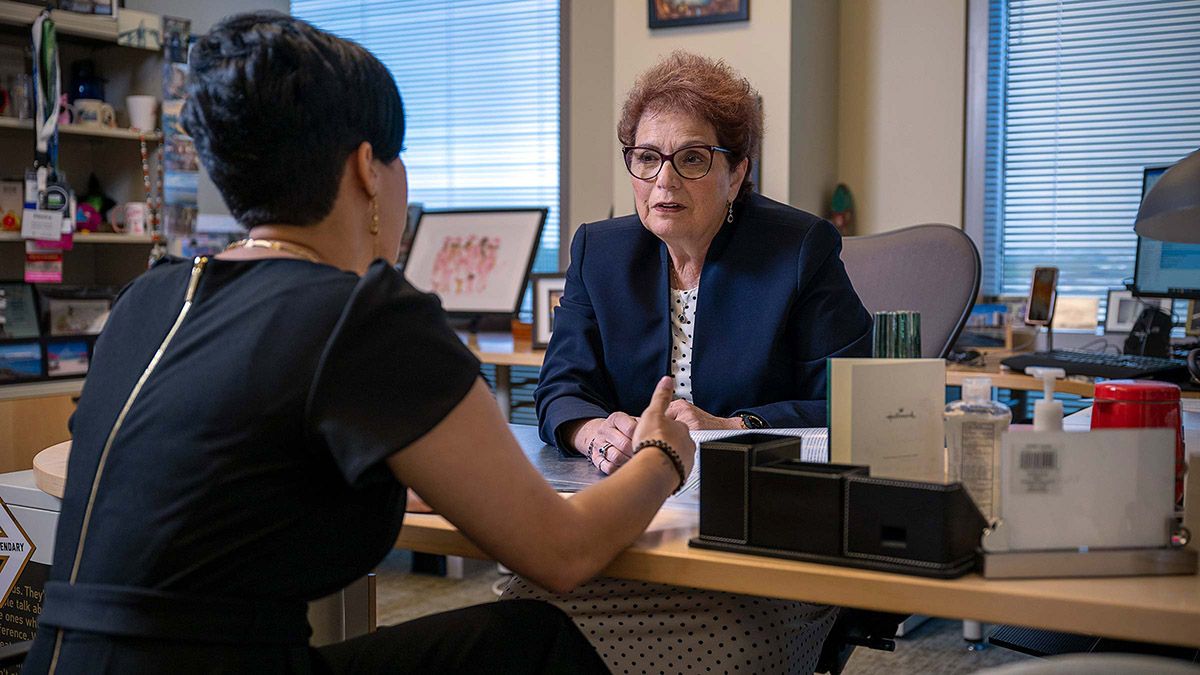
x: 1151, y: 609
x: 501, y: 351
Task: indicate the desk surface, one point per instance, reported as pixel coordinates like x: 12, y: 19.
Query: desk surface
x: 499, y: 349
x: 1152, y: 609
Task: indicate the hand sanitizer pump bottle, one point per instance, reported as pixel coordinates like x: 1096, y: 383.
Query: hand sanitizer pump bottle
x: 1047, y: 413
x: 973, y: 429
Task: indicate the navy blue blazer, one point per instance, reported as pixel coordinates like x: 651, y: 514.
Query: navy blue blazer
x: 774, y: 304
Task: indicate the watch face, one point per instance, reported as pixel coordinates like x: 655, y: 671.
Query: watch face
x: 752, y: 421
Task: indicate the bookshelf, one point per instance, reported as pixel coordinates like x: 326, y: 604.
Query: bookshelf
x: 33, y: 415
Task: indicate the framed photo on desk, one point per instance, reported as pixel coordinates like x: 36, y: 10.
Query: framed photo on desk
x: 1123, y: 310
x: 476, y: 260
x: 547, y: 294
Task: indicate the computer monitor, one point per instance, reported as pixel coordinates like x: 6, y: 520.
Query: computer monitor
x: 1165, y: 269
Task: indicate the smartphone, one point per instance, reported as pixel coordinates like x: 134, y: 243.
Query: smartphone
x: 1039, y: 310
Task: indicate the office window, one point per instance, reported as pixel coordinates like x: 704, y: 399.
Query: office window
x: 480, y: 81
x: 1081, y: 94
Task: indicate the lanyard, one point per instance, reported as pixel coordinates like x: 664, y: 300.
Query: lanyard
x: 47, y: 80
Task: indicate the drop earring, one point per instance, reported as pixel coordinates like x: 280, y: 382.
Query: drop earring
x: 729, y: 218
x: 374, y: 215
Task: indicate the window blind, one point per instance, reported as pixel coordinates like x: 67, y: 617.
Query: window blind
x: 480, y: 82
x: 1082, y: 94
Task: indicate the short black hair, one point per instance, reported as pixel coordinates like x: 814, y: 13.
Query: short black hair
x: 275, y: 107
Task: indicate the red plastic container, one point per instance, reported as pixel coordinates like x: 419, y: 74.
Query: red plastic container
x: 1126, y: 404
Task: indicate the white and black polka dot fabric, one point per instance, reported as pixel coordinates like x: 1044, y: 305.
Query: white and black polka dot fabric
x: 683, y: 327
x: 640, y: 627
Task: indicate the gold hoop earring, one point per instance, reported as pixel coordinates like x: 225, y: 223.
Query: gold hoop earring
x: 374, y: 215
x: 729, y: 218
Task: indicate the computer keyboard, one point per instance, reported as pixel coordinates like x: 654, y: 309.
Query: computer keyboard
x: 1098, y: 364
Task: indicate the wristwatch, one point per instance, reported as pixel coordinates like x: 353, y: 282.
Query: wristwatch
x: 752, y: 421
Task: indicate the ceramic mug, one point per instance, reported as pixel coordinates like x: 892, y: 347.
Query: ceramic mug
x: 90, y: 112
x: 141, y: 112
x: 130, y: 217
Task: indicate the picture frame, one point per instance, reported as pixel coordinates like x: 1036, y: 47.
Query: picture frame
x: 547, y: 293
x: 67, y: 358
x: 20, y: 361
x: 476, y: 260
x: 672, y: 13
x: 77, y: 316
x: 1123, y: 309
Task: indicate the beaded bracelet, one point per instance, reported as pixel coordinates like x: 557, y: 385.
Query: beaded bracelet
x: 671, y: 455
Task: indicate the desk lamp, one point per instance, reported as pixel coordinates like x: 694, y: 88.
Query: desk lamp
x: 1171, y: 210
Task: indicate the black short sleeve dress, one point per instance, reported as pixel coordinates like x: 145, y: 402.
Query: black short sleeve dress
x: 247, y: 475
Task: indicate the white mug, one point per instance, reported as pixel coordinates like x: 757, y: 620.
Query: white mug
x: 129, y: 217
x: 141, y: 112
x: 91, y: 112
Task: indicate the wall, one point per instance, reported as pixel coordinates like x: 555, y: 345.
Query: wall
x: 760, y: 49
x: 901, y: 108
x: 588, y: 122
x: 813, y: 115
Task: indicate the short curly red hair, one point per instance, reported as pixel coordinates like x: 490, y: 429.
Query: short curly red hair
x: 708, y: 89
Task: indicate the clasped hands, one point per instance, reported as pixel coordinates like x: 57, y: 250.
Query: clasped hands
x: 608, y: 442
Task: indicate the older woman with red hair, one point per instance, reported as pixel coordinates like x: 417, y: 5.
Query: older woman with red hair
x: 742, y: 299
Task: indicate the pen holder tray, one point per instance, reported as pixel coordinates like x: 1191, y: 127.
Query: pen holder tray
x: 765, y: 501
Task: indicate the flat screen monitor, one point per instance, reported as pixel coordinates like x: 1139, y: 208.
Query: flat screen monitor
x: 476, y: 261
x: 1165, y: 269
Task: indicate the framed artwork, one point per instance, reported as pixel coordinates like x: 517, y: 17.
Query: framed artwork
x: 1192, y: 322
x: 18, y: 312
x: 66, y: 358
x: 77, y: 316
x: 670, y: 13
x: 20, y: 361
x: 1124, y: 309
x: 476, y: 261
x: 547, y: 294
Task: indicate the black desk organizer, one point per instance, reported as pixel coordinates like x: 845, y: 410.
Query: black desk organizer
x: 757, y: 496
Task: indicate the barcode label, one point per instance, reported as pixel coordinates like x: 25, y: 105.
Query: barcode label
x: 1038, y: 469
x: 1039, y: 459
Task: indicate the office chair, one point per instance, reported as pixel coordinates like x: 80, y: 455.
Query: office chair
x: 932, y: 269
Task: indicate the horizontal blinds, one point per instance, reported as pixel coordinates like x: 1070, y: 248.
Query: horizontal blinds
x: 1082, y: 95
x: 480, y: 81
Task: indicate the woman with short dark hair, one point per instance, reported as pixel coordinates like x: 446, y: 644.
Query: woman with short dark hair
x: 250, y: 421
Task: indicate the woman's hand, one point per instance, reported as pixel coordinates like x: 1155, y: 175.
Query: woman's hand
x: 656, y: 423
x: 697, y: 419
x: 607, y: 443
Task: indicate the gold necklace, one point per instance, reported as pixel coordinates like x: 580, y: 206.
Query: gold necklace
x: 297, y: 250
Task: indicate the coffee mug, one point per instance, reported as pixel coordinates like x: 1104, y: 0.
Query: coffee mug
x: 90, y: 112
x: 129, y: 217
x: 141, y: 112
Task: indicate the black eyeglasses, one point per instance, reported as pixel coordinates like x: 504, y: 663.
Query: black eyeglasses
x: 694, y: 162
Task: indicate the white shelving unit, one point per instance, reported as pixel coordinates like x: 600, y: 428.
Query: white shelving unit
x: 11, y: 124
x: 69, y: 24
x: 93, y: 238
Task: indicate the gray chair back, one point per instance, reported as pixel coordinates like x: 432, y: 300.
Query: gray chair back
x: 932, y: 269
